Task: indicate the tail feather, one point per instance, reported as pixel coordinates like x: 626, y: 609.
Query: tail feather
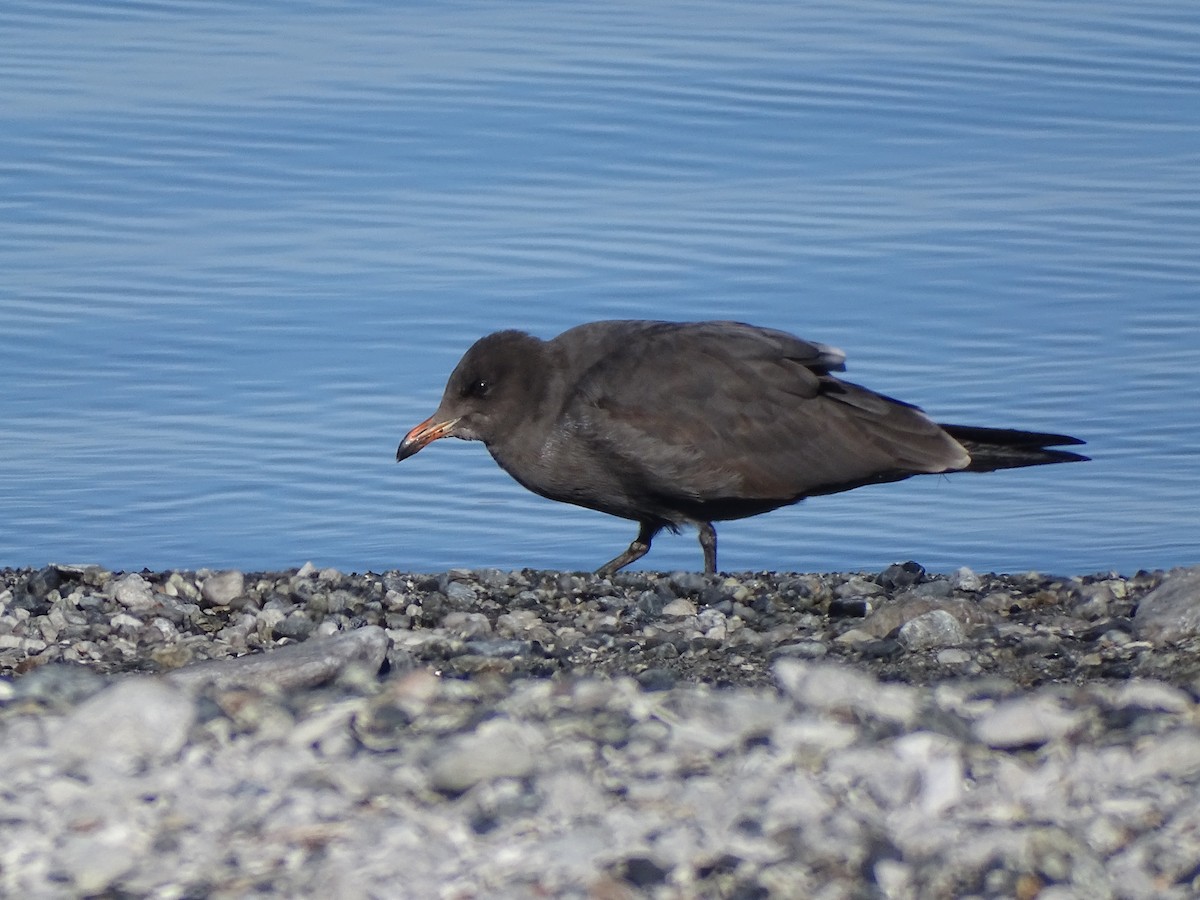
x: 1009, y: 448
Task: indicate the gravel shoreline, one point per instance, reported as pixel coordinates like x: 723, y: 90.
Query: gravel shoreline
x: 509, y: 734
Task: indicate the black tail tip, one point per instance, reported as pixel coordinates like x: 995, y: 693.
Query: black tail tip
x: 1005, y: 448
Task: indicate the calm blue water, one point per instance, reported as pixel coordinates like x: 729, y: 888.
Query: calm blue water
x: 242, y: 245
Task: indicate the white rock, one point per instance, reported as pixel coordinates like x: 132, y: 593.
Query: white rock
x: 135, y: 722
x: 1025, y: 722
x: 223, y: 588
x: 826, y: 685
x: 133, y: 591
x: 498, y: 748
x: 936, y: 628
x: 679, y: 607
x: 964, y: 579
x: 1171, y: 612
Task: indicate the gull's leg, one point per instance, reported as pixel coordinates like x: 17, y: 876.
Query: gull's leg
x: 708, y: 543
x: 639, y: 548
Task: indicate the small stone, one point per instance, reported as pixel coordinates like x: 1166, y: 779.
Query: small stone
x: 936, y: 628
x: 133, y: 592
x: 1171, y: 612
x: 462, y: 594
x: 657, y: 679
x: 499, y: 648
x: 43, y: 581
x: 652, y: 603
x: 964, y: 579
x: 679, y: 608
x: 467, y: 625
x: 642, y: 872
x: 849, y: 608
x: 687, y: 582
x: 801, y: 650
x: 854, y: 637
x: 954, y: 657
x: 885, y: 648
x: 498, y: 748
x: 714, y: 595
x: 1025, y: 722
x: 297, y: 627
x: 135, y: 722
x: 858, y: 586
x: 1153, y: 695
x: 93, y: 861
x: 938, y: 587
x: 902, y: 575
x: 832, y: 686
x: 59, y: 685
x: 223, y: 588
x: 316, y: 661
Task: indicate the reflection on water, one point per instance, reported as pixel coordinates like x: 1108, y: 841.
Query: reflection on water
x: 244, y: 245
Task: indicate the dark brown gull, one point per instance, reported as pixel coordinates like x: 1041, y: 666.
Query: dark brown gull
x: 676, y: 423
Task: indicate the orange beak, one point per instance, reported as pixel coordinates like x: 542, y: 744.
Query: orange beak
x: 425, y: 433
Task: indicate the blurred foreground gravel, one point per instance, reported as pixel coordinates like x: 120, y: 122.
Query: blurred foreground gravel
x: 480, y: 734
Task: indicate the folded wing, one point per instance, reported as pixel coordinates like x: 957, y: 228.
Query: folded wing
x: 748, y: 413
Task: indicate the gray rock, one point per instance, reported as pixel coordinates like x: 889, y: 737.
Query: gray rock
x: 58, y: 685
x: 858, y: 586
x: 223, y: 588
x: 832, y: 686
x: 316, y: 661
x: 134, y: 723
x: 908, y: 606
x: 92, y: 861
x: 498, y: 648
x: 133, y: 592
x: 802, y: 650
x: 964, y: 579
x: 1026, y: 722
x: 936, y: 628
x: 1171, y: 612
x: 460, y: 593
x: 42, y: 582
x: 1147, y: 694
x: 688, y: 582
x: 499, y: 748
x: 954, y: 657
x: 467, y: 625
x: 937, y: 588
x: 297, y: 627
x: 680, y: 607
x: 902, y: 575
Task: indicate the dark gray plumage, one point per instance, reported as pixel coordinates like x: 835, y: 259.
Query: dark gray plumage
x: 668, y: 423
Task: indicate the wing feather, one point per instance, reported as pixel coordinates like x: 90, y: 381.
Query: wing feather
x: 704, y: 412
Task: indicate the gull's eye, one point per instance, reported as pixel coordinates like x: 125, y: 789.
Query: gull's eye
x: 479, y: 387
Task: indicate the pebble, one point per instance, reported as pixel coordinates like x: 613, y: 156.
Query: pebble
x: 499, y: 748
x: 964, y: 579
x: 133, y: 591
x: 1171, y: 613
x: 954, y: 657
x: 290, y: 668
x: 223, y: 588
x: 458, y: 592
x: 679, y: 607
x: 1026, y: 722
x: 134, y: 723
x: 315, y: 733
x: 932, y: 630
